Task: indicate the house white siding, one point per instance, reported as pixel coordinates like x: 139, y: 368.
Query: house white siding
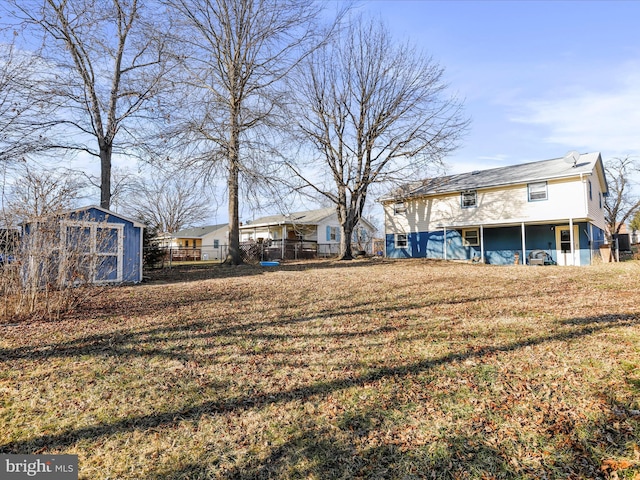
x: 502, y: 215
x: 595, y: 201
x: 565, y: 199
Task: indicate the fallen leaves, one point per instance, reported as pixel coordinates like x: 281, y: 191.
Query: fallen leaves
x: 387, y: 369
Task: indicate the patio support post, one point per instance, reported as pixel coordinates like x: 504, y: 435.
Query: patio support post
x: 481, y: 244
x: 444, y: 243
x: 590, y: 243
x: 284, y: 235
x: 524, y: 246
x: 573, y: 250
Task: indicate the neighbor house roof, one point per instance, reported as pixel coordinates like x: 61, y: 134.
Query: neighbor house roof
x: 514, y: 174
x: 199, y: 232
x: 309, y: 217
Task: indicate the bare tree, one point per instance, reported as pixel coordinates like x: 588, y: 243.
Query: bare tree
x: 104, y: 65
x: 169, y: 203
x: 36, y: 193
x: 373, y: 112
x: 21, y: 110
x: 622, y: 202
x: 236, y: 54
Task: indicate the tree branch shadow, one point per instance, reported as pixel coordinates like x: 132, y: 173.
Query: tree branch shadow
x: 302, y: 393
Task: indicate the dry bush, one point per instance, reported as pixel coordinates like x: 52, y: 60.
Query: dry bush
x: 54, y: 267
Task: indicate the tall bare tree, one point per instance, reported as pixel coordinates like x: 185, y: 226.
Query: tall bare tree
x: 373, y: 111
x: 623, y: 201
x: 104, y: 63
x: 170, y: 202
x: 23, y: 114
x: 236, y: 54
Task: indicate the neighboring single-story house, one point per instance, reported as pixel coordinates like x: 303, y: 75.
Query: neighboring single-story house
x: 200, y: 243
x: 304, y: 234
x: 106, y: 246
x: 551, y: 210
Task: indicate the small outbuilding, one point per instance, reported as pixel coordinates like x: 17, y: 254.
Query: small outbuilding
x: 105, y: 245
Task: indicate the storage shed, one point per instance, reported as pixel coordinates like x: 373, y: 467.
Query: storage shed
x: 108, y: 245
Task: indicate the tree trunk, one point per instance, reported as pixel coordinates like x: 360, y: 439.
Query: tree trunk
x: 105, y: 175
x: 345, y: 241
x: 233, y: 256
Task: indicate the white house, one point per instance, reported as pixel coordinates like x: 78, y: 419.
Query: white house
x: 200, y: 243
x: 303, y: 234
x: 551, y: 210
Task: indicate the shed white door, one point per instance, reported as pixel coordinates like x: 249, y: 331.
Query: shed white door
x: 563, y: 246
x: 94, y: 252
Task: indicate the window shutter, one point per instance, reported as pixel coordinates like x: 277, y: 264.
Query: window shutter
x: 328, y: 233
x: 338, y: 234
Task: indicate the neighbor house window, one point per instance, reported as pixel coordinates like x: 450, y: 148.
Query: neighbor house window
x: 537, y: 191
x: 590, y: 191
x: 401, y: 240
x: 469, y: 199
x: 399, y: 208
x: 470, y: 237
x: 216, y: 243
x: 333, y: 234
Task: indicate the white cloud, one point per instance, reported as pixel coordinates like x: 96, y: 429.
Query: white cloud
x: 606, y: 120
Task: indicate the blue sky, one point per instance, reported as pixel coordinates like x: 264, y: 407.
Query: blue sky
x: 538, y: 78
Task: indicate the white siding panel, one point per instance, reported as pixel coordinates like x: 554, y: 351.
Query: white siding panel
x: 596, y: 203
x: 566, y: 199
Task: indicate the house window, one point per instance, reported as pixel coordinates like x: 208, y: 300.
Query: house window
x: 399, y: 208
x: 590, y: 191
x: 470, y: 237
x: 401, y: 240
x: 469, y: 199
x: 333, y: 234
x: 537, y: 191
x: 600, y: 199
x: 216, y: 243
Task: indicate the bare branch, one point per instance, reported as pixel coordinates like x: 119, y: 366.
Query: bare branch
x: 372, y: 111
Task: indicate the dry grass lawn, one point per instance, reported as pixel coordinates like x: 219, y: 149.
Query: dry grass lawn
x: 364, y: 369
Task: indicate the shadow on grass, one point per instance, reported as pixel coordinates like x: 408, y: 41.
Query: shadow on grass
x: 196, y: 272
x: 299, y: 394
x: 126, y: 343
x: 317, y: 451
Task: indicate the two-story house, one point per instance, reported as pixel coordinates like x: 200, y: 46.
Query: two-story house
x: 503, y: 215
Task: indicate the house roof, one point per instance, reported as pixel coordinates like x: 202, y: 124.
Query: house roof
x: 199, y: 232
x: 309, y: 217
x: 511, y: 175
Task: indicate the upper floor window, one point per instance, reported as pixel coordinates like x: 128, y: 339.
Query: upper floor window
x: 590, y: 191
x: 537, y: 191
x: 399, y: 208
x: 600, y: 199
x: 469, y: 199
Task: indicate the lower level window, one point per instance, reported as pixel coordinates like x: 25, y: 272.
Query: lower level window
x: 401, y: 240
x: 471, y: 237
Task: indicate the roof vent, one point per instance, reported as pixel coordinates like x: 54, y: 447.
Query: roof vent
x: 475, y: 172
